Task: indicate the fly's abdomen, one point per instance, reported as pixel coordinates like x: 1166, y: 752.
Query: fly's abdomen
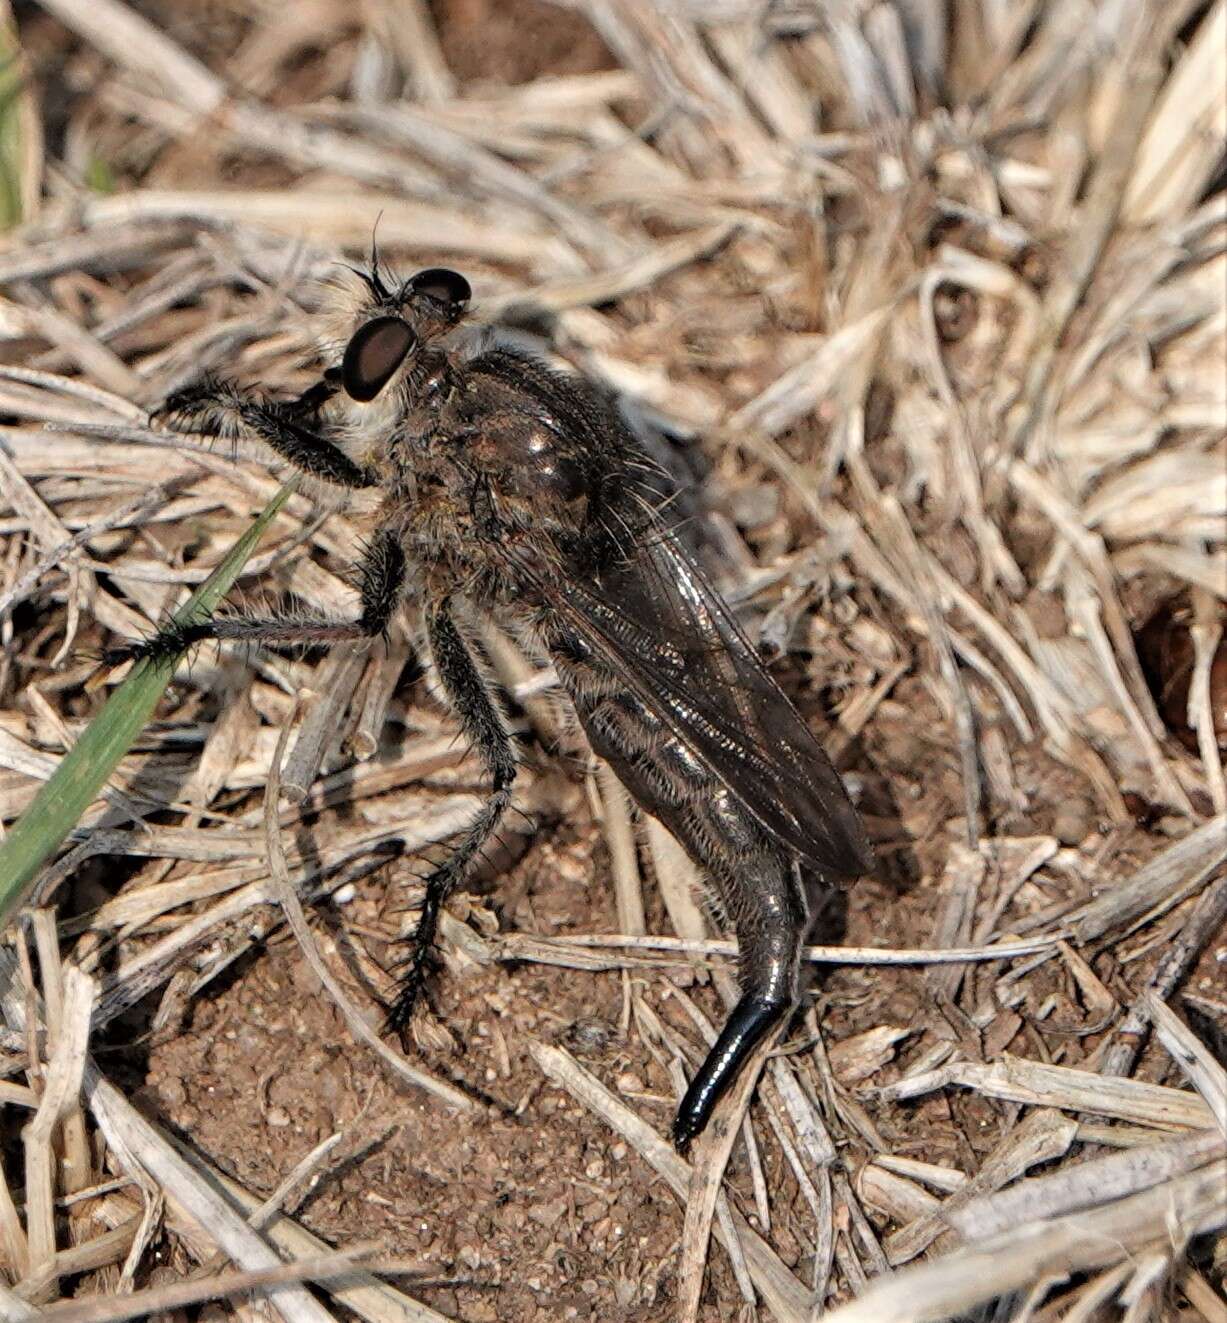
x: 662, y: 773
x: 756, y: 878
x: 658, y: 770
x: 668, y: 781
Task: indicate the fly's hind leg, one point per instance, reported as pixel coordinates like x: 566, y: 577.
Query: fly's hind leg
x: 481, y: 721
x: 759, y: 884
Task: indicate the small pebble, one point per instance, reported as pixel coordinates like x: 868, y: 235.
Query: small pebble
x: 1071, y: 824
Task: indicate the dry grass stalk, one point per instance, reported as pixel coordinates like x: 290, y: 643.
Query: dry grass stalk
x: 360, y: 1292
x: 61, y: 1087
x: 783, y: 1294
x: 968, y: 1277
x: 1044, y: 1136
x: 1083, y: 1186
x: 1196, y: 1060
x: 708, y: 1163
x: 182, y: 1294
x: 138, y: 1144
x: 1058, y: 1086
x: 518, y: 947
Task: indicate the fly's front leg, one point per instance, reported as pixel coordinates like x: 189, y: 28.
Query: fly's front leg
x: 481, y: 721
x: 382, y: 571
x: 219, y: 408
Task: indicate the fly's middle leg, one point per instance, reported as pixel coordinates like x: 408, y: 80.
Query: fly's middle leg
x: 383, y: 576
x: 481, y: 721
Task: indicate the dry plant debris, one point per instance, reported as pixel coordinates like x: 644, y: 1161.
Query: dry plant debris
x: 926, y: 302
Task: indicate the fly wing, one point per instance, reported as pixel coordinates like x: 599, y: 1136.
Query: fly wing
x: 657, y: 623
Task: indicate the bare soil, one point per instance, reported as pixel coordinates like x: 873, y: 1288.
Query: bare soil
x: 527, y: 1204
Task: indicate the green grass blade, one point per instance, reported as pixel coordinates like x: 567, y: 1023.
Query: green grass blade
x: 11, y: 88
x: 84, y: 770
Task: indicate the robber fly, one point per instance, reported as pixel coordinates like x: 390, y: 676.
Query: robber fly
x: 517, y: 491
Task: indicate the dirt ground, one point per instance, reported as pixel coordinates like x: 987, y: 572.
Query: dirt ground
x: 527, y: 1207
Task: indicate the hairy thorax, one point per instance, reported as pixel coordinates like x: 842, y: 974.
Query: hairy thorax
x: 476, y: 481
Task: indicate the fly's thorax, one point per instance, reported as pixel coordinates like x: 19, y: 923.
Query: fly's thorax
x: 512, y: 474
x: 467, y: 541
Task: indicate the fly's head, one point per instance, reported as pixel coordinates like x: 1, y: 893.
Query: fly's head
x: 396, y: 378
x: 393, y: 350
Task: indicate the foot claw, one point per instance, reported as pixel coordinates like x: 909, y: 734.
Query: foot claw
x: 130, y: 652
x: 401, y: 1012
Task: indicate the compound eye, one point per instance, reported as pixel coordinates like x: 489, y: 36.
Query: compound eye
x: 447, y: 288
x: 373, y: 355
